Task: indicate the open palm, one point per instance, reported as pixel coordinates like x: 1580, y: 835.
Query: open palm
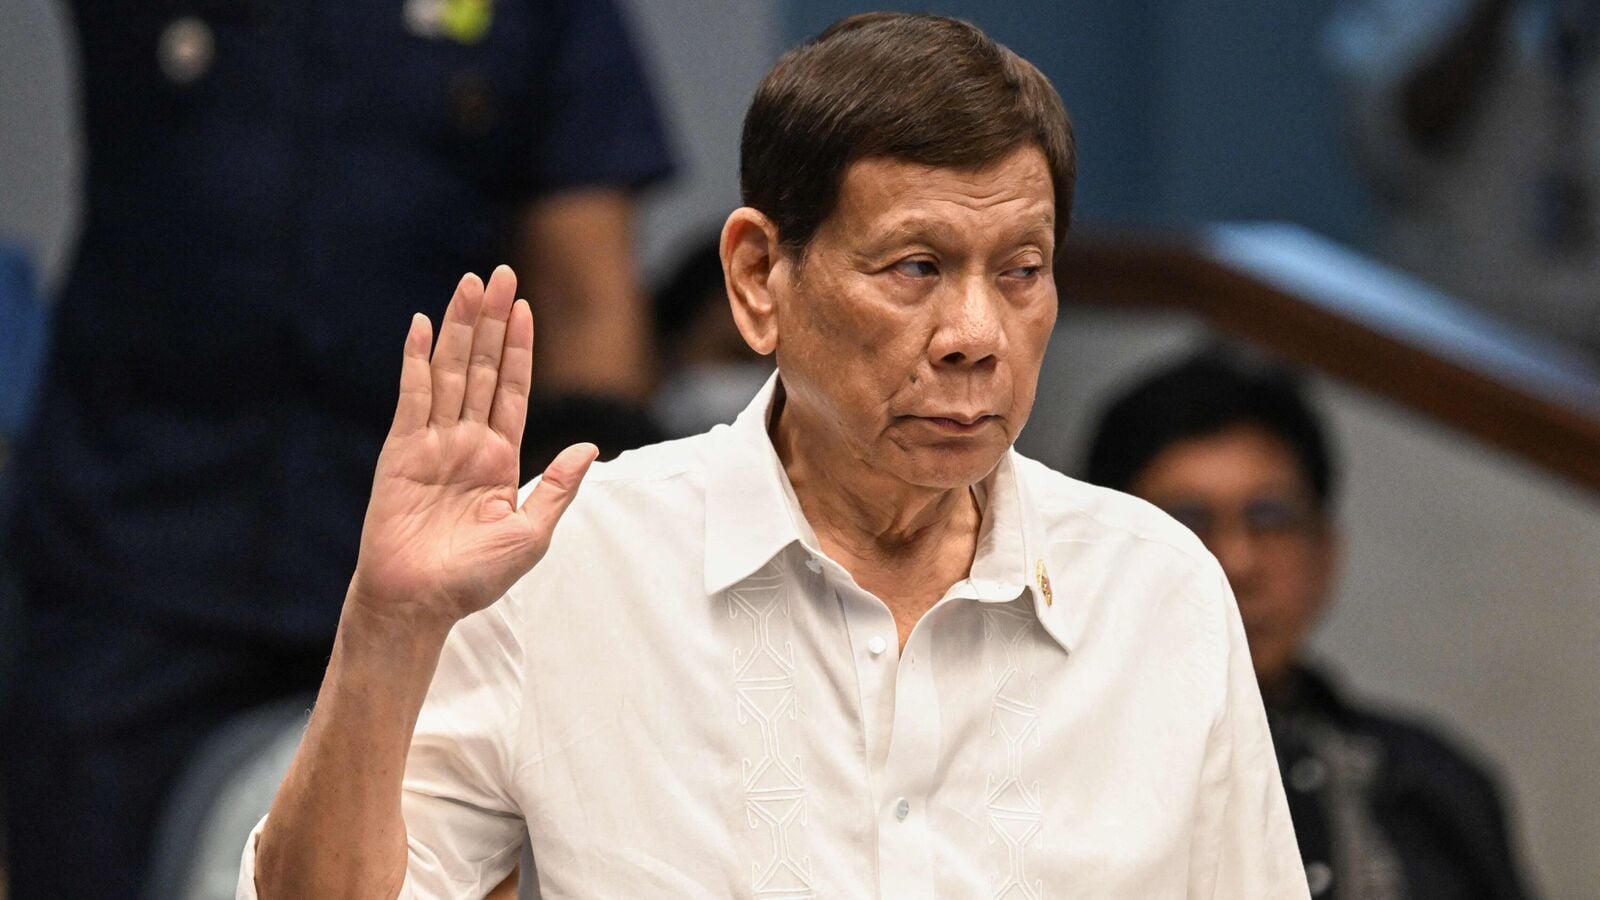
x: 443, y: 536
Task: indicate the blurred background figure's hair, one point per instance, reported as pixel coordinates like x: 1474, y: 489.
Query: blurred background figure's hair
x: 708, y: 372
x: 694, y: 283
x: 1201, y: 396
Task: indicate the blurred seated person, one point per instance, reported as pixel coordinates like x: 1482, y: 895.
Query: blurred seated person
x: 1383, y: 807
x: 1476, y: 123
x: 708, y: 371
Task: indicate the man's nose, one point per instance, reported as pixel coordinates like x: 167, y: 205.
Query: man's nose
x: 970, y: 331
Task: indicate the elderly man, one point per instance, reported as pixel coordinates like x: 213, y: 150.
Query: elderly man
x: 852, y: 645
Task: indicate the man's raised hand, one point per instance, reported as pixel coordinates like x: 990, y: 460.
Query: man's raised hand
x: 443, y: 536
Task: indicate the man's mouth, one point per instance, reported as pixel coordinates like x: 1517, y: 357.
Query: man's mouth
x: 958, y: 423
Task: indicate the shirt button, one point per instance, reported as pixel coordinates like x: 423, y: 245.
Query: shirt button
x: 877, y: 645
x: 1308, y: 775
x: 1318, y: 877
x: 814, y: 566
x: 902, y: 808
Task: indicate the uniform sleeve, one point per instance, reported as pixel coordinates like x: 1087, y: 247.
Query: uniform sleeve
x: 463, y: 827
x: 1244, y: 842
x: 1374, y: 48
x: 598, y: 121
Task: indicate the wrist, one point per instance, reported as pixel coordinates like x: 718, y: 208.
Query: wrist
x: 390, y: 625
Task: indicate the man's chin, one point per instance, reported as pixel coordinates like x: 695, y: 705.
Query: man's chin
x: 947, y: 466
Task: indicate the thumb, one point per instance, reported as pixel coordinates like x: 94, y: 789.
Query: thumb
x: 558, y: 486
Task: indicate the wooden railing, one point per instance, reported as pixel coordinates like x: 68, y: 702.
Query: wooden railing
x: 1317, y: 304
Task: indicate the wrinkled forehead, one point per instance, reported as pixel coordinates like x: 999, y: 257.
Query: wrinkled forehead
x: 896, y: 198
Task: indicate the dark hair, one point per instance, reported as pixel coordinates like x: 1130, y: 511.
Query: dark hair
x: 1200, y: 397
x: 919, y: 88
x: 694, y: 282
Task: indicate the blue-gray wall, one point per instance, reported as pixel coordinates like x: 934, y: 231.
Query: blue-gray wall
x: 1186, y: 112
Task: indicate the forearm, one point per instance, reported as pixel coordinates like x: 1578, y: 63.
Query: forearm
x: 593, y: 322
x: 335, y: 829
x: 442, y: 539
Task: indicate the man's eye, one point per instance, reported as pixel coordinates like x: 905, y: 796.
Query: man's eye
x: 1024, y: 272
x: 1272, y: 515
x: 1195, y: 517
x: 916, y: 268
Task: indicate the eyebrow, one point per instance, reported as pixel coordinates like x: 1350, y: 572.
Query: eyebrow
x: 922, y: 228
x: 912, y: 229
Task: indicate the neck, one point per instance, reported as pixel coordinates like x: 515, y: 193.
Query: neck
x: 905, y: 544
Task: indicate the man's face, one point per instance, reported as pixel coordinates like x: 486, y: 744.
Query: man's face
x: 911, y: 331
x: 1243, y: 493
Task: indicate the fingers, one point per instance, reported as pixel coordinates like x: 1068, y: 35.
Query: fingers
x: 554, y: 492
x: 449, y: 369
x: 488, y: 340
x: 510, y: 412
x: 416, y: 382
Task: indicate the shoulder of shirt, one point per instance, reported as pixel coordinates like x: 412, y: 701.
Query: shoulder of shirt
x: 1113, y: 532
x: 661, y: 482
x: 1073, y: 511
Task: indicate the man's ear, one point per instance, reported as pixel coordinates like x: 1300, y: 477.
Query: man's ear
x: 750, y: 255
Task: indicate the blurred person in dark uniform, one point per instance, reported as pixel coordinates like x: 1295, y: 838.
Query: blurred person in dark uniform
x: 1383, y: 807
x: 265, y: 181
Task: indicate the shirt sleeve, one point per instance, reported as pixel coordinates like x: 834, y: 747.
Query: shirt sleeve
x: 1374, y: 48
x: 464, y: 830
x: 1244, y: 842
x: 598, y: 120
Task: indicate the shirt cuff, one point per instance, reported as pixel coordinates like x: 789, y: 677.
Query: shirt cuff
x: 246, y: 889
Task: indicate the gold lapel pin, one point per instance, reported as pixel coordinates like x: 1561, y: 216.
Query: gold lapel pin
x: 1044, y: 584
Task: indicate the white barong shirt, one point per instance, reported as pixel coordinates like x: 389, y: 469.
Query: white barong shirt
x: 687, y: 698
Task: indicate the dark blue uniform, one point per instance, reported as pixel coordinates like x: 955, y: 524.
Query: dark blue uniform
x: 272, y: 188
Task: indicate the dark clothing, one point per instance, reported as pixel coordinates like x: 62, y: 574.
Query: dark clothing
x: 88, y: 771
x: 254, y: 243
x: 23, y: 322
x: 1383, y: 808
x: 272, y: 188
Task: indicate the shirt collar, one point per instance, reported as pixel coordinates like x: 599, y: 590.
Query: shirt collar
x: 752, y: 515
x: 751, y: 511
x: 1012, y: 559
